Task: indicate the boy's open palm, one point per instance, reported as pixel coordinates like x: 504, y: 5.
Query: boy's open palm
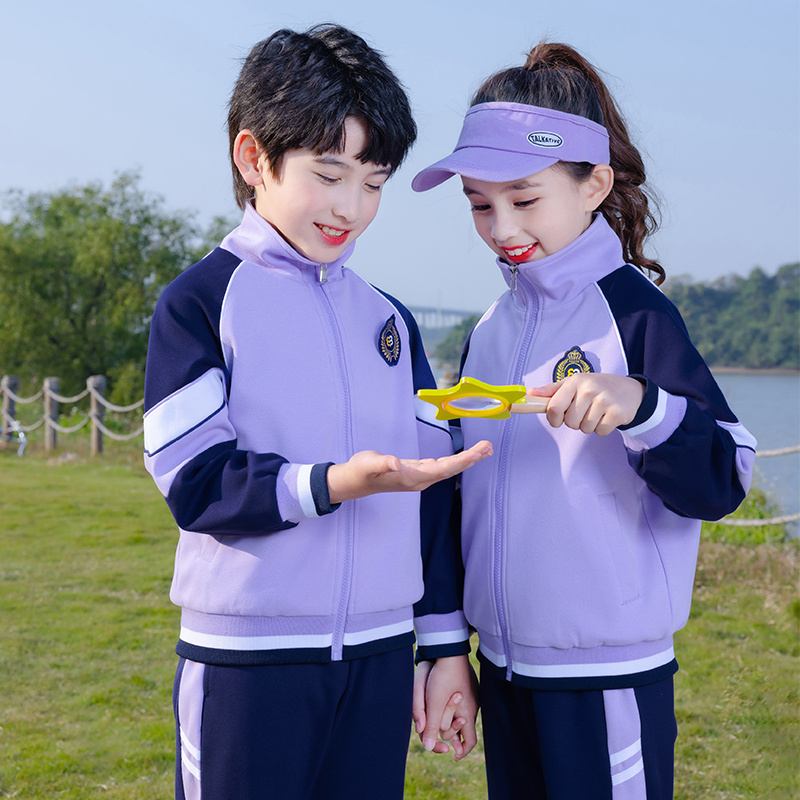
x: 370, y: 472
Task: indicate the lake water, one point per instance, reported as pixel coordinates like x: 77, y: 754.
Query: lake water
x: 769, y: 407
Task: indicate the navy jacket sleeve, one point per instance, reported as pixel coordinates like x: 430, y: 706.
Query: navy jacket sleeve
x: 190, y: 444
x: 685, y: 442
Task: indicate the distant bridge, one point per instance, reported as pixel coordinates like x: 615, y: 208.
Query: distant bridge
x: 428, y: 317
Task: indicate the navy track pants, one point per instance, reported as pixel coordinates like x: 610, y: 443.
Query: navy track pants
x: 335, y: 731
x: 613, y: 744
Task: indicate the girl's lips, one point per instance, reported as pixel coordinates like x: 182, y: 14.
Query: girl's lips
x: 520, y: 254
x: 333, y: 236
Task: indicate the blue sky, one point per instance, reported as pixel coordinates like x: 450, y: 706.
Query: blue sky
x: 710, y: 88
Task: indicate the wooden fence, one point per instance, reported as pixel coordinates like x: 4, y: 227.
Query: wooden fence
x: 51, y: 402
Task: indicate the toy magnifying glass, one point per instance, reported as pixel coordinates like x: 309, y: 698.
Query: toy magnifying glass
x: 473, y: 398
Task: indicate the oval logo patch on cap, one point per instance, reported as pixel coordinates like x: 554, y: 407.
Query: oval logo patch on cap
x: 389, y: 342
x: 545, y: 139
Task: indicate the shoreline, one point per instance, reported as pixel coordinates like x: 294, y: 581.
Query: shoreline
x: 755, y: 370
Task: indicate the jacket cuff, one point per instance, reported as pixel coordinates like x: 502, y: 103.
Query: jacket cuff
x: 303, y: 491
x: 443, y: 651
x: 647, y: 406
x: 658, y: 417
x: 441, y: 635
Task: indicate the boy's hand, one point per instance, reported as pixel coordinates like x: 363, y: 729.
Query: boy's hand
x: 369, y: 472
x: 446, y: 705
x: 592, y: 402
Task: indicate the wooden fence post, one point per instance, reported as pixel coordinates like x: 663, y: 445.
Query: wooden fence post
x: 10, y: 384
x: 50, y: 413
x: 97, y: 386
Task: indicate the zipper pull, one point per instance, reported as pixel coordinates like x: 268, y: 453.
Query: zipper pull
x: 323, y: 273
x: 514, y: 273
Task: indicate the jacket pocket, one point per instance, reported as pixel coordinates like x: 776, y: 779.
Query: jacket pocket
x: 619, y: 549
x: 210, y: 547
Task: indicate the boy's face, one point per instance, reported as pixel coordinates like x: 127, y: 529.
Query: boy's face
x: 322, y: 203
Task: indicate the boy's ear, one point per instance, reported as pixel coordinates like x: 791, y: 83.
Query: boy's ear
x: 247, y: 157
x: 600, y: 183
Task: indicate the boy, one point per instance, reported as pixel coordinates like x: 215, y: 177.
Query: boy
x: 272, y: 372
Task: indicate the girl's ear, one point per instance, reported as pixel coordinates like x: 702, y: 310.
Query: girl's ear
x: 247, y: 157
x: 597, y: 187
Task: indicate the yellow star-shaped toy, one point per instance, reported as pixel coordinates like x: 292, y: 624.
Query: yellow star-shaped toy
x: 473, y: 398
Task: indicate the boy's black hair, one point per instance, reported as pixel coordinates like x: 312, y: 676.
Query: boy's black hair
x: 296, y: 90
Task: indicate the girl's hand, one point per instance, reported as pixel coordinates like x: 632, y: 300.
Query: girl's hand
x: 446, y: 705
x: 369, y: 472
x: 592, y: 402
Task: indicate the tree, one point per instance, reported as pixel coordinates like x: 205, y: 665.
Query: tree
x: 744, y: 322
x: 81, y: 270
x: 448, y: 351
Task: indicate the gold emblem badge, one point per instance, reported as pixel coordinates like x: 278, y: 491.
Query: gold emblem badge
x: 389, y: 342
x: 574, y: 361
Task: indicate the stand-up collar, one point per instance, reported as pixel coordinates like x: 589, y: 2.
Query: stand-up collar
x: 256, y: 241
x: 563, y: 275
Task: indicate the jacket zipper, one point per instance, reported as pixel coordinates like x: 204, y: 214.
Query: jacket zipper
x: 337, y: 645
x: 531, y: 316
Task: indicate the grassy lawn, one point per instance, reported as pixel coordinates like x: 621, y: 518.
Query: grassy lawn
x: 87, y: 638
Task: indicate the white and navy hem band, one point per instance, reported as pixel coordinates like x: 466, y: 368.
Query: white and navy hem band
x: 574, y: 677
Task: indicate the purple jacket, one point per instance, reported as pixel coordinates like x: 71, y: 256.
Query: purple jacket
x: 580, y: 550
x: 263, y: 368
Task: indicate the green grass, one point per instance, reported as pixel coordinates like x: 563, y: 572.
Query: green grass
x: 87, y: 638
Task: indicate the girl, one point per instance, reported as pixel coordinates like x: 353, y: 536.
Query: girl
x: 580, y: 537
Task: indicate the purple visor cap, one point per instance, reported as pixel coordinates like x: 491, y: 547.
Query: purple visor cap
x: 506, y: 141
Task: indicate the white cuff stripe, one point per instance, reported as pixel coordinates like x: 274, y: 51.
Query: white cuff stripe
x: 304, y: 495
x: 655, y: 419
x: 442, y: 637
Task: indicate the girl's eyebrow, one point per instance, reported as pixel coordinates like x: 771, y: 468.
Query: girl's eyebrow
x: 511, y: 187
x: 525, y: 184
x: 332, y: 161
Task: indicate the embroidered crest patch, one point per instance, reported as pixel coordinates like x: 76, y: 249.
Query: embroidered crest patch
x: 389, y: 342
x: 574, y: 361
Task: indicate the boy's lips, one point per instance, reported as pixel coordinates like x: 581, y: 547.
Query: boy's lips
x: 520, y: 254
x: 334, y: 236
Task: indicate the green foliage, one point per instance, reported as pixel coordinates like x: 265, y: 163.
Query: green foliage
x: 448, y: 351
x: 81, y: 270
x: 743, y: 322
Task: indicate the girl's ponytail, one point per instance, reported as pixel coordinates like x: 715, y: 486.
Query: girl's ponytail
x: 556, y: 76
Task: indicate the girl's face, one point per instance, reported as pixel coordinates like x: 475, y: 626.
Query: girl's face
x: 531, y: 218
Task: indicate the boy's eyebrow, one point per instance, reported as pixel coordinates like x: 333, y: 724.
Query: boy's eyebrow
x: 332, y: 161
x: 511, y: 187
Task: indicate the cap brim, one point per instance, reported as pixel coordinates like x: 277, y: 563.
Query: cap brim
x: 482, y: 164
